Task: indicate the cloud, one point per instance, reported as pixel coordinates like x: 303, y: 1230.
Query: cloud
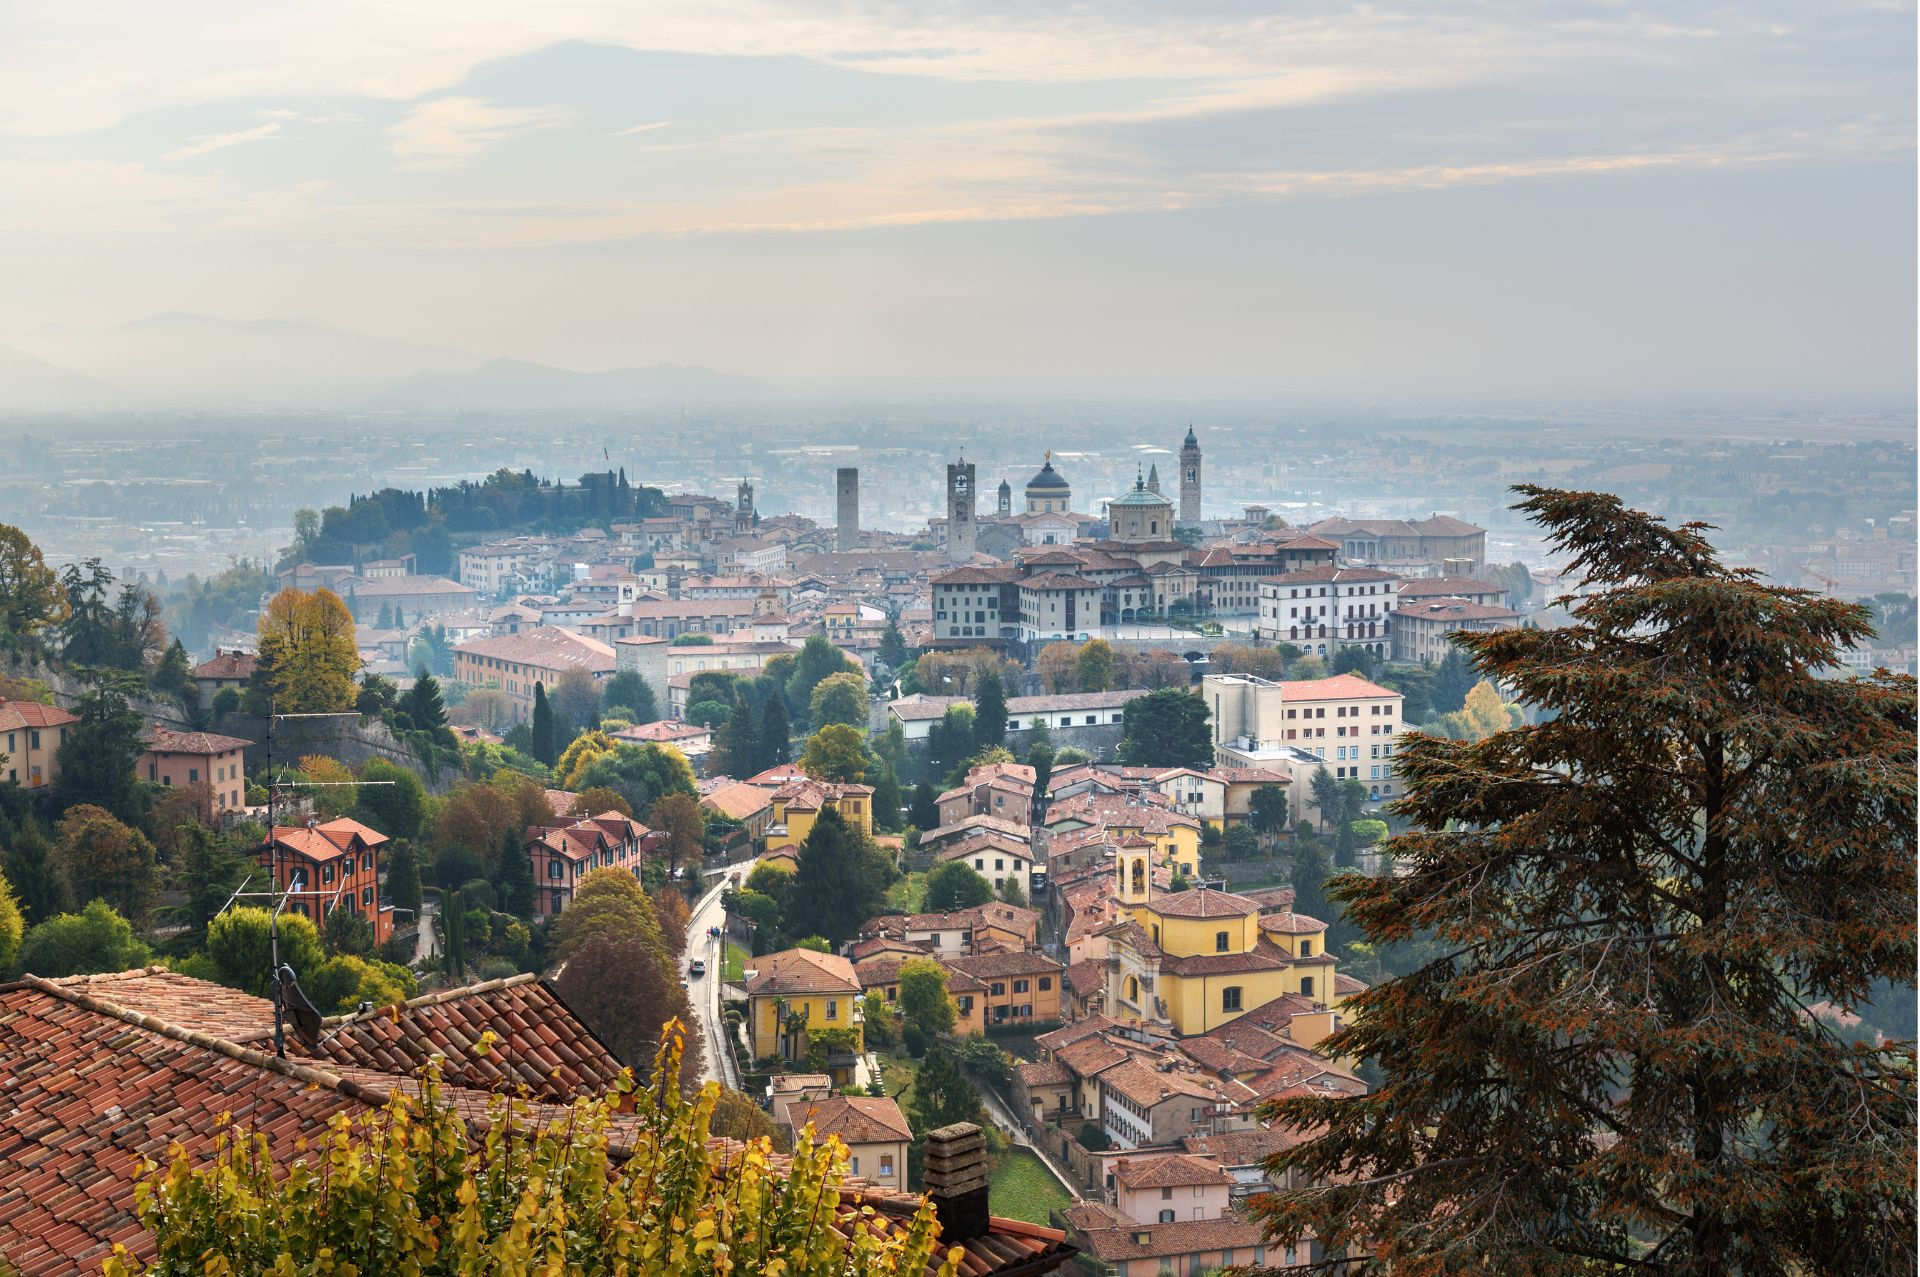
x: 643, y: 128
x: 220, y: 141
x: 447, y: 132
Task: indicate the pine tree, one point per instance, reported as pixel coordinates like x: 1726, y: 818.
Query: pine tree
x: 926, y: 808
x: 545, y: 748
x: 514, y: 879
x: 1613, y: 1063
x: 886, y: 800
x: 739, y: 742
x: 423, y: 703
x: 37, y: 882
x: 893, y: 647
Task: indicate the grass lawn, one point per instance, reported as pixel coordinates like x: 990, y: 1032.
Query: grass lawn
x: 1021, y: 1188
x: 733, y: 963
x: 906, y: 895
x: 897, y: 1073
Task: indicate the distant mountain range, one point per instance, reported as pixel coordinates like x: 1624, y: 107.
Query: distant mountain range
x: 208, y: 363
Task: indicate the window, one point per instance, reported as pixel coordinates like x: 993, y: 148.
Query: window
x: 1166, y: 1194
x: 854, y: 1165
x: 998, y: 988
x: 1219, y: 942
x: 193, y: 775
x: 554, y: 870
x: 1019, y: 986
x: 833, y: 1008
x: 886, y: 1163
x: 1166, y: 1216
x: 1306, y: 986
x: 1230, y: 998
x: 1306, y: 948
x: 556, y: 902
x: 366, y: 896
x: 1046, y: 982
x: 326, y: 873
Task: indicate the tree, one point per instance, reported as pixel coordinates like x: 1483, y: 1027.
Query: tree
x: 627, y: 991
x: 106, y: 860
x: 1011, y: 892
x: 893, y: 646
x: 671, y: 911
x: 335, y: 789
x: 97, y: 757
x: 989, y: 712
x: 240, y: 945
x: 576, y: 703
x: 174, y: 673
x: 953, y: 884
x: 925, y: 810
x: 1267, y: 809
x: 836, y: 753
x: 515, y: 879
x: 760, y: 911
x: 886, y: 800
x: 1353, y: 659
x: 476, y: 820
x: 423, y: 703
x: 1452, y: 680
x: 628, y: 691
x: 641, y: 774
x: 678, y: 815
x: 599, y: 799
x: 348, y: 933
x: 392, y: 799
x: 924, y: 1000
x: 581, y: 753
x: 1059, y: 667
x: 29, y: 865
x: 739, y: 743
x: 403, y: 878
x: 839, y: 698
x: 546, y: 744
x: 377, y: 695
x: 818, y: 659
x: 307, y: 647
x: 210, y: 869
x: 818, y: 944
x: 840, y: 882
x: 32, y: 604
x: 1610, y: 1064
x: 1167, y: 728
x: 942, y: 1094
x: 95, y: 939
x: 774, y: 732
x: 1040, y: 758
x: 1326, y: 796
x: 1095, y: 666
x: 1353, y: 801
x: 612, y: 903
x: 12, y: 927
x: 1240, y: 843
x: 950, y: 741
x: 414, y: 1188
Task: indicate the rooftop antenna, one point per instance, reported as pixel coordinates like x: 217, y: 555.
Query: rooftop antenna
x: 287, y: 994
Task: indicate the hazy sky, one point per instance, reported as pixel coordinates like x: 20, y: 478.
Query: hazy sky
x: 1446, y: 196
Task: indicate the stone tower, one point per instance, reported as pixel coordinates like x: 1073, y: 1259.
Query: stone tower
x: 962, y: 532
x: 743, y: 509
x: 1133, y: 873
x: 846, y: 487
x: 1005, y: 508
x: 1190, y: 479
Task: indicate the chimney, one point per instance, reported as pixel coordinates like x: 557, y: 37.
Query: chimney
x: 956, y: 1181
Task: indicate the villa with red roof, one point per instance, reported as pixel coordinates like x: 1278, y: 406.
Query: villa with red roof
x: 323, y: 867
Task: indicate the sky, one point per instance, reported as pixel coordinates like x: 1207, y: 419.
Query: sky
x: 1450, y: 197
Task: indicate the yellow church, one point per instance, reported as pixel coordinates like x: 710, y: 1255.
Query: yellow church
x: 1190, y: 961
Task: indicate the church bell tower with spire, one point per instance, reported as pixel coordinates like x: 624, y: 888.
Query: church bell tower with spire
x: 1190, y: 479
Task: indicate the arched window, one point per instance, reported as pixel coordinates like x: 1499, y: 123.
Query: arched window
x: 1133, y: 989
x: 1139, y: 875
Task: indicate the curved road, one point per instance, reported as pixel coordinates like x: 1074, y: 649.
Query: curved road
x: 704, y: 991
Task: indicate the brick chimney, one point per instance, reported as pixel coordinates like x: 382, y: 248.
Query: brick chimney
x: 956, y: 1181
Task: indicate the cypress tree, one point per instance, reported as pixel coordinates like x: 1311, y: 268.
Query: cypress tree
x: 740, y: 742
x: 989, y: 712
x: 543, y: 736
x: 886, y: 800
x: 515, y: 877
x: 1641, y: 907
x: 773, y: 733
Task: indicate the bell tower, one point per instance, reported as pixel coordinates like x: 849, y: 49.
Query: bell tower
x: 962, y: 532
x: 1133, y: 873
x: 1190, y: 479
x: 743, y: 515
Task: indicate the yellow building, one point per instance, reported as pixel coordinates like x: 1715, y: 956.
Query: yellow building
x: 793, y: 996
x: 1174, y: 836
x: 1191, y: 961
x: 797, y: 804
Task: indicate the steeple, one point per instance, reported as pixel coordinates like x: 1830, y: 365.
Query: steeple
x: 1153, y: 479
x: 1190, y: 478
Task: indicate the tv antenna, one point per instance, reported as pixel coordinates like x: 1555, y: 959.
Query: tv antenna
x: 288, y: 997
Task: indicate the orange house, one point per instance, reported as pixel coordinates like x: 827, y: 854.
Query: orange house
x: 564, y: 854
x: 330, y: 866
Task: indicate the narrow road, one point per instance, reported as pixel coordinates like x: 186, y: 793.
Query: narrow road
x: 1002, y: 1117
x: 704, y: 991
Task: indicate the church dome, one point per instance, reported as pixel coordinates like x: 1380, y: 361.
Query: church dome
x: 1048, y: 480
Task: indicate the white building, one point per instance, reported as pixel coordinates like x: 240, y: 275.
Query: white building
x: 1421, y: 630
x: 1347, y: 724
x: 1323, y: 610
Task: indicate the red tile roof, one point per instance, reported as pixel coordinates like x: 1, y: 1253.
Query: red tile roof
x: 19, y: 714
x: 180, y: 1000
x: 164, y: 740
x: 540, y: 1046
x: 855, y: 1119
